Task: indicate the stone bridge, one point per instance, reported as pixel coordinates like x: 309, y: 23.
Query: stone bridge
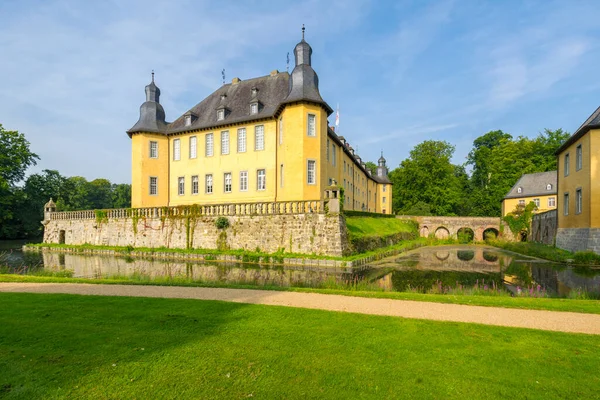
x: 449, y: 227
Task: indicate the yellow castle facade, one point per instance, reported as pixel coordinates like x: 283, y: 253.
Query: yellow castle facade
x: 579, y: 188
x: 264, y: 139
x: 539, y: 188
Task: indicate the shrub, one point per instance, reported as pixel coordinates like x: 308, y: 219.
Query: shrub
x: 222, y: 223
x: 587, y: 257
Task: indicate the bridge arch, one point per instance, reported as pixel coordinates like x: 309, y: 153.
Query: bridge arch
x: 465, y: 235
x: 490, y: 233
x: 424, y: 231
x: 465, y: 255
x: 442, y: 233
x: 442, y: 255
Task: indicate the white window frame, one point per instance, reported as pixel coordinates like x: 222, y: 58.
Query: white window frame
x: 227, y: 182
x: 150, y: 185
x: 195, y: 184
x: 176, y: 149
x: 551, y: 201
x: 208, y: 184
x: 549, y: 186
x: 578, y: 157
x: 259, y: 138
x: 311, y: 130
x: 181, y: 185
x: 384, y: 187
x: 225, y: 142
x: 243, y: 181
x: 261, y: 179
x: 254, y: 108
x: 519, y: 190
x: 311, y: 176
x: 241, y: 140
x: 578, y: 201
x: 153, y: 151
x: 566, y: 204
x: 209, y: 141
x: 220, y: 114
x: 536, y: 202
x: 193, y: 147
x: 521, y: 202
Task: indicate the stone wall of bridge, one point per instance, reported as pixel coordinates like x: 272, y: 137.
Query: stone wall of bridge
x: 449, y: 227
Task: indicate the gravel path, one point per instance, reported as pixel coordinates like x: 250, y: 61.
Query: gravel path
x: 535, y: 319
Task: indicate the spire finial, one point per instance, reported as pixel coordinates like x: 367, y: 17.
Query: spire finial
x: 152, y: 76
x: 381, y: 152
x: 303, y: 29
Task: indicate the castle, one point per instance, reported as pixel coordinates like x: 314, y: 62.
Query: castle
x: 264, y: 139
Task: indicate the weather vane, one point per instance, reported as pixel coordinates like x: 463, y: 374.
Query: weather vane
x: 287, y: 65
x: 223, y: 74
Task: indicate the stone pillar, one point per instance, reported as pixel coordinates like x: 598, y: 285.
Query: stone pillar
x: 332, y: 198
x: 49, y: 208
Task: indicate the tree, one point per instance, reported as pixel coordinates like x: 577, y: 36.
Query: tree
x: 371, y: 166
x: 121, y: 195
x: 428, y: 182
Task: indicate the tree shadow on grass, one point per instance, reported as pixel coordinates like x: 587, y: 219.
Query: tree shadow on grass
x: 51, y: 343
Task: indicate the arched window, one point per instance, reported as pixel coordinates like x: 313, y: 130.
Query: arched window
x: 549, y: 186
x: 519, y: 190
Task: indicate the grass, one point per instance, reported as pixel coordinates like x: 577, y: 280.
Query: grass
x: 88, y: 347
x: 546, y: 252
x: 531, y: 303
x: 371, y: 226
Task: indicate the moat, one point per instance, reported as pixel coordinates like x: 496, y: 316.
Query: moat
x: 453, y: 269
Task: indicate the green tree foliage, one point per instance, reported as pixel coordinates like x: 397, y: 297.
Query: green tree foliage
x: 427, y: 182
x: 371, y: 166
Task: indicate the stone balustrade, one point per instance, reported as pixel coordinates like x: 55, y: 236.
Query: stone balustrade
x: 238, y: 209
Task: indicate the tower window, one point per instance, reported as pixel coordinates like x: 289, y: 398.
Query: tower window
x: 311, y: 172
x: 578, y: 201
x: 153, y: 149
x: 566, y: 204
x: 153, y: 186
x: 311, y: 125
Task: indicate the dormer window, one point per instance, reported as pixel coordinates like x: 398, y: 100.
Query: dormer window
x: 189, y: 118
x: 254, y: 108
x: 220, y: 114
x: 549, y: 186
x: 519, y: 190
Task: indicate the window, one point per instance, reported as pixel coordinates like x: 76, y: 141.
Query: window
x: 209, y: 145
x: 195, y: 184
x: 333, y: 155
x: 243, y: 181
x: 536, y: 202
x: 384, y: 188
x: 519, y: 190
x: 153, y: 149
x: 551, y: 201
x: 311, y: 172
x: 344, y: 166
x: 549, y: 186
x: 220, y: 115
x: 261, y: 179
x: 327, y: 149
x: 383, y: 200
x: 227, y: 181
x: 241, y: 140
x: 254, y: 108
x: 193, y: 147
x: 208, y: 181
x: 578, y: 158
x: 578, y: 201
x: 566, y: 204
x: 281, y: 175
x: 153, y: 186
x: 281, y: 130
x: 567, y: 165
x: 176, y: 149
x: 311, y: 128
x: 225, y: 142
x: 181, y: 186
x: 522, y: 202
x: 259, y: 137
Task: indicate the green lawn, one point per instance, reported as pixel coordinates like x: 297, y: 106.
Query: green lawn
x: 370, y: 226
x: 65, y: 346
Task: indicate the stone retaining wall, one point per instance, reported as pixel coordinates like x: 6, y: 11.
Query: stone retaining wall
x: 543, y: 227
x: 578, y: 239
x: 308, y: 233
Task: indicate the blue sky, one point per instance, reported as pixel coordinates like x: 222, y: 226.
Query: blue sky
x: 73, y: 72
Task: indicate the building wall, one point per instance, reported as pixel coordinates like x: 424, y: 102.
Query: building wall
x: 543, y: 227
x: 143, y: 167
x: 594, y: 192
x: 569, y: 184
x: 509, y: 205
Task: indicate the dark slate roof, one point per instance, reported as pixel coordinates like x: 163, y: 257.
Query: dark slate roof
x: 534, y: 185
x: 593, y: 122
x: 272, y: 91
x: 336, y: 139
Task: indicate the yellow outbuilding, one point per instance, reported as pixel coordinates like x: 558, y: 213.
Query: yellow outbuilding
x: 579, y: 188
x: 258, y: 140
x: 539, y: 188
